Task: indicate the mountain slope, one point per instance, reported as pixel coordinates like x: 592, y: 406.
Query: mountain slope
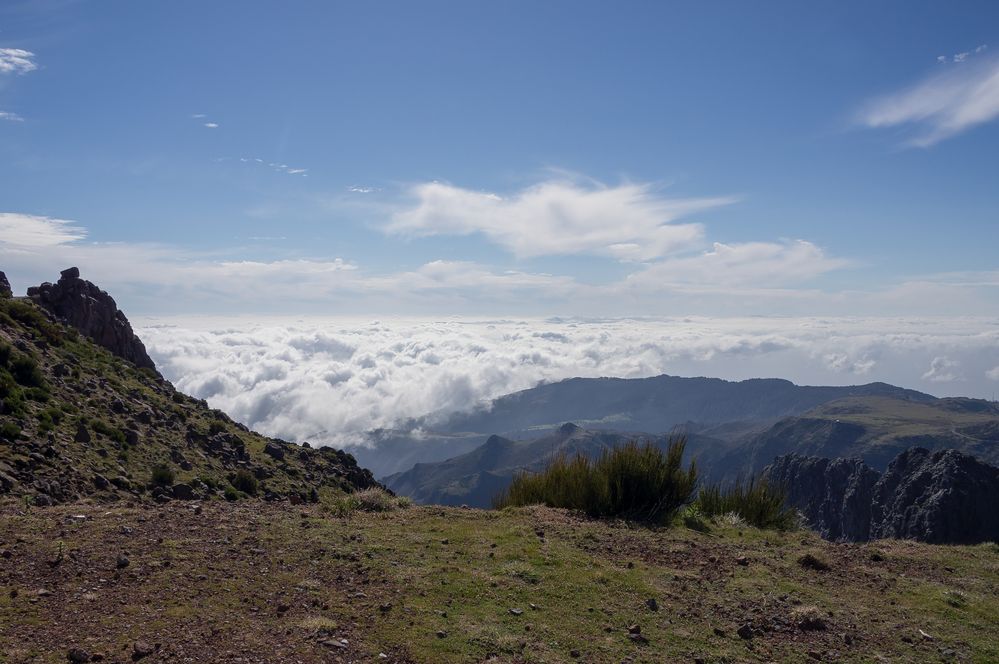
x: 875, y: 429
x: 78, y: 420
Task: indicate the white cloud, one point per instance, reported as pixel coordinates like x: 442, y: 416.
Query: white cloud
x: 198, y: 116
x: 27, y: 231
x: 942, y: 370
x: 16, y: 61
x: 627, y: 222
x: 993, y: 373
x: 10, y: 117
x: 211, y: 125
x: 332, y: 379
x: 750, y: 264
x: 943, y: 105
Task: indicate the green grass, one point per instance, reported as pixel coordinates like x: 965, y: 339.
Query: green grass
x: 460, y: 571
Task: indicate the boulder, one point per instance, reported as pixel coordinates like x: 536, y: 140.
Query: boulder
x: 5, y: 290
x: 274, y: 450
x: 183, y: 492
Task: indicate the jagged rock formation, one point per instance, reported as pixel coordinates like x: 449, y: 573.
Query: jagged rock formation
x: 938, y: 497
x: 834, y: 494
x: 5, y: 290
x: 82, y: 305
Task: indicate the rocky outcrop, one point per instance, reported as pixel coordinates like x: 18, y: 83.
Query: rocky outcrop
x: 834, y: 494
x: 82, y: 305
x: 5, y: 290
x: 943, y: 497
x: 937, y: 497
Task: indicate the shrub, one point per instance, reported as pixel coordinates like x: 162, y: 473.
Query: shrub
x: 231, y: 493
x: 161, y: 475
x: 244, y: 481
x: 638, y: 482
x: 10, y: 431
x: 756, y: 502
x: 106, y: 429
x: 366, y: 500
x: 215, y: 427
x: 26, y: 371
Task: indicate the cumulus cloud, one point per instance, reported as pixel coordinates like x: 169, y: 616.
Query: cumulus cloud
x: 627, y: 222
x: 10, y: 117
x: 942, y: 370
x: 944, y: 104
x: 16, y: 61
x: 333, y: 379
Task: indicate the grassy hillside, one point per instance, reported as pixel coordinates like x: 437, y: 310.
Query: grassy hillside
x: 257, y: 582
x: 76, y: 420
x: 875, y: 429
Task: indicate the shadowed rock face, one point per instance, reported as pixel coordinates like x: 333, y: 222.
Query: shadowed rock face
x: 944, y: 497
x: 938, y: 497
x: 4, y: 286
x: 834, y: 494
x: 93, y: 312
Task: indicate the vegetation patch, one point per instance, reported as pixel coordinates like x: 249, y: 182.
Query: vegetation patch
x: 635, y: 482
x: 756, y: 501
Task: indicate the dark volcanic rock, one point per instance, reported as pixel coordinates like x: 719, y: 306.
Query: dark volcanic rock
x: 938, y: 497
x: 94, y: 313
x: 5, y: 290
x: 834, y: 494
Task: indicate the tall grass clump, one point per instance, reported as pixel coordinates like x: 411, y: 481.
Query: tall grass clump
x: 636, y: 482
x: 755, y: 501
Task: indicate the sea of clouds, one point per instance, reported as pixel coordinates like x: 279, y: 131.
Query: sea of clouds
x: 332, y: 380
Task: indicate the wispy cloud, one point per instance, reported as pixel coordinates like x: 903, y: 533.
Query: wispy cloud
x: 212, y: 125
x: 10, y: 117
x: 627, y: 221
x: 736, y: 266
x: 946, y: 103
x: 276, y: 166
x: 16, y: 61
x: 27, y: 231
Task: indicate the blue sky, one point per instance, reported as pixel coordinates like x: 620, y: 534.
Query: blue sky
x: 572, y: 158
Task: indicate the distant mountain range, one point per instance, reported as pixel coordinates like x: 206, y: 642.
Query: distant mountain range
x: 733, y: 429
x: 654, y: 405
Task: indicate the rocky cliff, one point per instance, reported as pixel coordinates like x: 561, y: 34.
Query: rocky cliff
x: 82, y: 305
x: 939, y: 497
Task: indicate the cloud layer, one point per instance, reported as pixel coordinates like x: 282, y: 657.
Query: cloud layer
x: 333, y: 379
x: 962, y: 96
